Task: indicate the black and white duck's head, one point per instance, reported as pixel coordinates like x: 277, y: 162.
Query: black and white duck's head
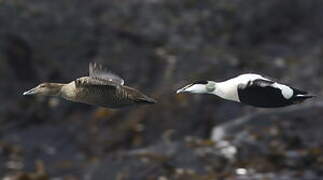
x: 199, y: 87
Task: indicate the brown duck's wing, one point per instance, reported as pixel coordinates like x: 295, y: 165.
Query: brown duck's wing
x: 89, y: 81
x: 97, y: 71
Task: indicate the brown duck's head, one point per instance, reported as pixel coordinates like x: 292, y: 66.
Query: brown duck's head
x: 45, y: 89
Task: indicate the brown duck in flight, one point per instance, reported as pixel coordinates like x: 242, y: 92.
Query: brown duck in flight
x: 100, y: 88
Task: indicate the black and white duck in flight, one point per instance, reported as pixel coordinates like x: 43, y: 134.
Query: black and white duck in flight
x: 250, y: 89
x: 101, y: 88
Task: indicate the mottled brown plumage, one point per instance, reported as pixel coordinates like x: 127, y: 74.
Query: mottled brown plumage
x: 100, y: 88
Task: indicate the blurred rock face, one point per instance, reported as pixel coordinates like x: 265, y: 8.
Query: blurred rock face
x: 157, y: 45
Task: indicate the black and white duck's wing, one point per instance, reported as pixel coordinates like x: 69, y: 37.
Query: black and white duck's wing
x: 98, y: 72
x: 265, y: 93
x: 261, y: 83
x: 257, y: 86
x: 251, y: 81
x: 247, y: 77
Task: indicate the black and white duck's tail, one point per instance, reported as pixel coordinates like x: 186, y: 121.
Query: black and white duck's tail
x: 301, y: 96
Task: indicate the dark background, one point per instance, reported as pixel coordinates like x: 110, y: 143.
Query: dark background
x: 158, y: 46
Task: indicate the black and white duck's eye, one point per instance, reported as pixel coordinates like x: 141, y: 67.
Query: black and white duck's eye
x: 200, y: 82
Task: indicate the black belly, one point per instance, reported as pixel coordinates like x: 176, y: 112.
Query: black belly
x: 266, y: 97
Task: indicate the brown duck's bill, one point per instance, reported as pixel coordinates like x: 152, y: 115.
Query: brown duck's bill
x: 32, y: 91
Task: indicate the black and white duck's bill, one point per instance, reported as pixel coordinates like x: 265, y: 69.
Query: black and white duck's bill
x: 185, y: 89
x: 182, y: 90
x: 198, y: 87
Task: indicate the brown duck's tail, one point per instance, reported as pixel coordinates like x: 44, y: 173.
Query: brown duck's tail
x: 146, y: 100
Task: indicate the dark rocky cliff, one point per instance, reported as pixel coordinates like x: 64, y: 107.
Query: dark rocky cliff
x: 158, y: 46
